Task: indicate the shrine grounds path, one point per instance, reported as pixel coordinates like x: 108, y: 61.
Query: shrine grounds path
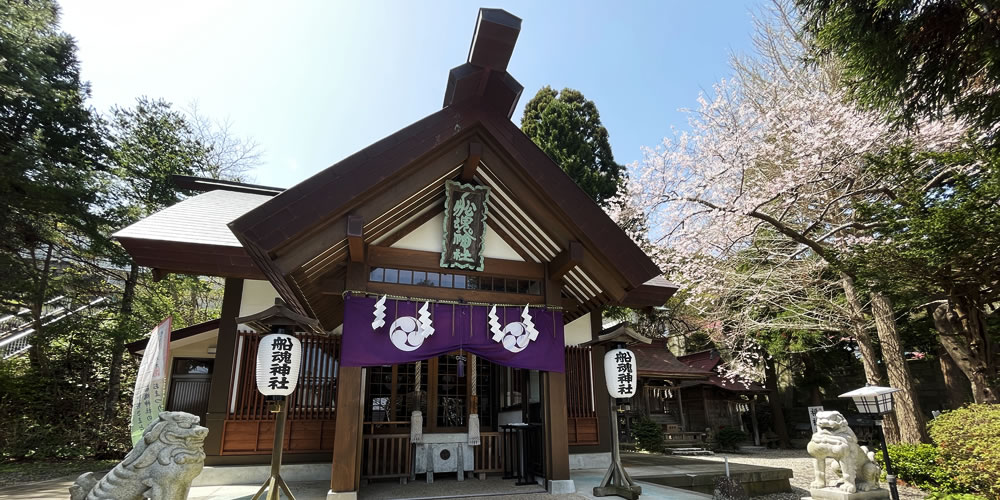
x: 802, y: 466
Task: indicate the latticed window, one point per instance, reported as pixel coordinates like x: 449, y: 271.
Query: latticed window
x: 407, y: 399
x: 451, y: 393
x: 488, y: 391
x: 379, y: 394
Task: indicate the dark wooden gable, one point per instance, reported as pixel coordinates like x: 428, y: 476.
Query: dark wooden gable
x: 304, y: 238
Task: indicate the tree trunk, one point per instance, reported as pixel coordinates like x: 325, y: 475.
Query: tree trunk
x: 956, y: 384
x: 118, y: 350
x: 36, y: 353
x: 962, y: 332
x: 912, y: 426
x: 859, y: 328
x: 777, y: 412
x: 869, y: 354
x: 812, y: 381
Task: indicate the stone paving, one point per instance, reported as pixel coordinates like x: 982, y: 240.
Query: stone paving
x: 57, y: 489
x: 648, y: 470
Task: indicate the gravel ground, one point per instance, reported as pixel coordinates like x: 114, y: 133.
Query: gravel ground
x: 23, y: 472
x: 802, y: 467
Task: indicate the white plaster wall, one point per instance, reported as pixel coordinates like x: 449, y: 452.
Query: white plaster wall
x: 428, y: 238
x: 578, y: 330
x: 194, y: 347
x: 257, y: 296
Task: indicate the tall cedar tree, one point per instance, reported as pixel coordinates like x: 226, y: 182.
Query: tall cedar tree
x: 568, y: 128
x: 50, y: 159
x: 915, y: 59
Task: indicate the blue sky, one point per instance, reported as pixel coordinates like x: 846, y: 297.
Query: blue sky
x: 314, y: 81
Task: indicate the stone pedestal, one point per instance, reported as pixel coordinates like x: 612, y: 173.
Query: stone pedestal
x: 831, y: 493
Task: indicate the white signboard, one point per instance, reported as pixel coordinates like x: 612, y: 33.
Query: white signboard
x: 813, y: 410
x: 620, y: 373
x: 278, y: 359
x: 151, y: 381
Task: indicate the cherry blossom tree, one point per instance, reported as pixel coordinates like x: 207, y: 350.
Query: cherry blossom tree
x: 773, y: 166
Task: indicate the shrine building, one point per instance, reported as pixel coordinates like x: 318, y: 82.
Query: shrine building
x: 452, y: 268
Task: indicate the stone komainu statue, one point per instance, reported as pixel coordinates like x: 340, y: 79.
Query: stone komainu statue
x: 835, y: 439
x: 161, y: 466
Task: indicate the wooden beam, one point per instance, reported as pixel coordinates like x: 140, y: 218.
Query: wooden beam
x: 454, y: 294
x: 332, y: 286
x: 569, y: 258
x: 380, y: 256
x: 472, y: 162
x: 356, y: 238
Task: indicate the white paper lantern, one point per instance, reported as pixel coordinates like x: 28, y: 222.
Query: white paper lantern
x: 278, y: 359
x: 621, y: 373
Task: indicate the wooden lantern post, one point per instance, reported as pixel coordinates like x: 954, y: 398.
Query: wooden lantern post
x: 616, y: 480
x: 278, y: 362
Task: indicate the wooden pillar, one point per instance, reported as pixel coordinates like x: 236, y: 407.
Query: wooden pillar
x: 680, y: 406
x: 604, y: 415
x: 704, y: 400
x: 556, y: 425
x: 347, y: 440
x: 347, y: 435
x: 222, y: 375
x: 753, y: 420
x: 600, y: 395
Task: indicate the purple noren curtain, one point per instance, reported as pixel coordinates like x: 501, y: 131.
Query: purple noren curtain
x: 402, y: 338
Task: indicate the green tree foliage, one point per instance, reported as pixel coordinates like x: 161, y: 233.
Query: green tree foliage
x: 729, y: 438
x: 917, y: 464
x: 935, y: 244
x: 50, y: 161
x: 648, y: 434
x: 966, y: 439
x: 568, y: 128
x: 914, y: 59
x: 67, y: 180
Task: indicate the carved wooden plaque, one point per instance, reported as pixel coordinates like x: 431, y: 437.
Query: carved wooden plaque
x: 465, y: 207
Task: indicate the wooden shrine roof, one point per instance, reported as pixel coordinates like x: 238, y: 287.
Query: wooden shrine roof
x: 192, y: 236
x: 298, y: 239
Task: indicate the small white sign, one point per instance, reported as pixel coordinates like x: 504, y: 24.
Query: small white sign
x: 620, y: 373
x: 813, y: 410
x: 278, y: 359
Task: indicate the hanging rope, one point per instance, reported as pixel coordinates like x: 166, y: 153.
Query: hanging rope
x: 416, y: 417
x: 474, y: 437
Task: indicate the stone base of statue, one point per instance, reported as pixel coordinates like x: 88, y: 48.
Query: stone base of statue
x: 832, y: 493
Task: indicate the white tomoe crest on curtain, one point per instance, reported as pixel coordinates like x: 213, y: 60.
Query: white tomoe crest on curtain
x: 620, y: 372
x: 516, y: 335
x: 408, y: 333
x: 278, y: 359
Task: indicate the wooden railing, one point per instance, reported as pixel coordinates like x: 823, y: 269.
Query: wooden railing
x: 386, y: 455
x: 315, y: 395
x: 489, y: 454
x: 581, y: 414
x: 249, y: 427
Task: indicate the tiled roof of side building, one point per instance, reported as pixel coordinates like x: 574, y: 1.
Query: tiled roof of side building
x: 656, y: 360
x: 703, y: 360
x: 201, y: 219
